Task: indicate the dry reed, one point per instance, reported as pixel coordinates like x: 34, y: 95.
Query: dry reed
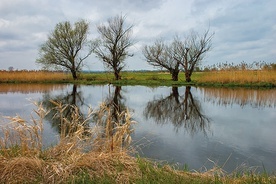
x: 23, y: 159
x: 239, y: 77
x: 243, y: 73
x: 32, y: 76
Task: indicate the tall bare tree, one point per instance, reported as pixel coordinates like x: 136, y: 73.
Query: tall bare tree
x: 192, y: 50
x: 179, y: 55
x: 65, y: 47
x: 115, y: 40
x: 161, y: 55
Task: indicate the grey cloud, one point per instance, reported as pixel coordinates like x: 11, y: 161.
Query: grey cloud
x: 243, y: 29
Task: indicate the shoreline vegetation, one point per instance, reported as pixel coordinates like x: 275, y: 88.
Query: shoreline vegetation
x: 216, y: 78
x: 98, y: 154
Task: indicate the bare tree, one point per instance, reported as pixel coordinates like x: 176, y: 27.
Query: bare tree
x: 115, y: 40
x: 184, y: 55
x: 65, y: 47
x: 161, y: 55
x: 192, y: 51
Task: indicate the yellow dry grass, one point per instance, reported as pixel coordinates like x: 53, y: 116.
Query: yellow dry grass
x: 239, y: 76
x: 33, y: 76
x: 23, y: 159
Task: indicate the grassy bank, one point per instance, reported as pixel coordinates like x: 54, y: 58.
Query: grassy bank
x: 246, y: 78
x: 102, y: 154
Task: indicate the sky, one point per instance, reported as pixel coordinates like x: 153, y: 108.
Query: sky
x: 244, y: 30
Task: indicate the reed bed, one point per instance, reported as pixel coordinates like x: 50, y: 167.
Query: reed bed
x: 239, y: 77
x: 33, y: 76
x: 100, y: 154
x: 242, y: 73
x: 22, y: 157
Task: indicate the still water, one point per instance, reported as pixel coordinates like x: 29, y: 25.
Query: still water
x: 197, y: 127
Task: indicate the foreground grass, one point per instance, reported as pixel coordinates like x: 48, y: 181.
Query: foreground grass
x: 101, y: 154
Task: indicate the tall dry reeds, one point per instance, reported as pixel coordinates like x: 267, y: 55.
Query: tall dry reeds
x: 243, y: 73
x: 32, y: 76
x: 239, y: 77
x: 22, y: 157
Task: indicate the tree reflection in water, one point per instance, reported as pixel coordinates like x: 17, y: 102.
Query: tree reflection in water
x: 180, y: 110
x: 116, y: 118
x: 71, y: 108
x: 111, y: 121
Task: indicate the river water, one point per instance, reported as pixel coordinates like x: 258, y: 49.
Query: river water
x: 198, y: 128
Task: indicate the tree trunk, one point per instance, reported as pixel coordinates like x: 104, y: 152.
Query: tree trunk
x: 175, y: 75
x: 74, y: 74
x: 117, y: 75
x: 188, y: 76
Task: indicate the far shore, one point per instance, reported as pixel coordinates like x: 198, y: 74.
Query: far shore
x: 251, y: 79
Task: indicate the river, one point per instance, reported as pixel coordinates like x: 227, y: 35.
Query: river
x: 198, y: 128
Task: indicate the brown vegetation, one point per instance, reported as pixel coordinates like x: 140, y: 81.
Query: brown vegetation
x: 32, y: 76
x: 22, y: 157
x: 243, y: 73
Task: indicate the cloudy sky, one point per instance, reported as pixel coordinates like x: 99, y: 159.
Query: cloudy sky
x: 245, y: 30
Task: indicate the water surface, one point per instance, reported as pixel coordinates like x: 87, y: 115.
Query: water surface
x: 200, y: 127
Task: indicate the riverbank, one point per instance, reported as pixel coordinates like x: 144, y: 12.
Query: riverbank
x: 102, y: 154
x: 255, y: 79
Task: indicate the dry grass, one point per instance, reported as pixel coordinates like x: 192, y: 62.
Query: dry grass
x: 243, y: 73
x: 23, y: 159
x: 32, y: 76
x: 239, y: 76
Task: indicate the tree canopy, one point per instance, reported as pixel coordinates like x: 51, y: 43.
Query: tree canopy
x: 162, y: 55
x: 179, y: 54
x: 113, y: 44
x: 66, y: 48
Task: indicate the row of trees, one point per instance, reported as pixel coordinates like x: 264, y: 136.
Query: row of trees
x: 68, y: 46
